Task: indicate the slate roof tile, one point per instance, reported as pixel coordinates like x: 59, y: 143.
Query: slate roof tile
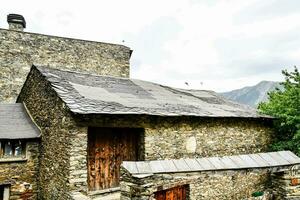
x: 94, y: 94
x: 15, y: 123
x: 248, y: 161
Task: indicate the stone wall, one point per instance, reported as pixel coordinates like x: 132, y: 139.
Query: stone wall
x: 206, y: 137
x: 19, y: 50
x: 191, y: 137
x: 217, y: 185
x: 286, y: 184
x: 246, y: 184
x: 61, y: 151
x: 21, y: 175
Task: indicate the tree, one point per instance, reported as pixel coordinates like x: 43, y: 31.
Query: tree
x: 284, y: 105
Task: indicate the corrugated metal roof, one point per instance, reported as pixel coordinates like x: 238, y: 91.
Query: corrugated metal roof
x: 260, y: 160
x: 15, y: 123
x: 93, y: 94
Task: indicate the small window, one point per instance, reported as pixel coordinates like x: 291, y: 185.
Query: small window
x: 12, y: 148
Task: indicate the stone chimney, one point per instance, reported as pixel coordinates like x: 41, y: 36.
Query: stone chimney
x: 16, y: 22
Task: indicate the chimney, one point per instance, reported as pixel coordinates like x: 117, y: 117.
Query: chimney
x: 16, y: 22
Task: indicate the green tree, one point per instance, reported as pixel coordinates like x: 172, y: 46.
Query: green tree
x: 284, y: 105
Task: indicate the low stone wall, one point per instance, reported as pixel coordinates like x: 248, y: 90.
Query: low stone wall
x: 245, y: 184
x: 21, y: 176
x: 217, y: 185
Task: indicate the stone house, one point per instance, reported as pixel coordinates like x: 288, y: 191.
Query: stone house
x: 91, y: 123
x: 19, y: 50
x: 92, y: 117
x: 19, y: 151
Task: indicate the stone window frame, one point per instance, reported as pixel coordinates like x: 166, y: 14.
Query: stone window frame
x: 14, y: 143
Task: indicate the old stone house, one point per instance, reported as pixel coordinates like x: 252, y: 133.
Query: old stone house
x: 92, y: 117
x: 19, y: 50
x: 19, y: 151
x: 91, y: 123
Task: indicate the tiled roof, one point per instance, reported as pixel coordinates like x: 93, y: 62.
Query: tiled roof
x: 260, y: 160
x: 15, y: 123
x: 93, y: 94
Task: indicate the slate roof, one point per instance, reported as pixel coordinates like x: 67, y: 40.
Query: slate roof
x: 15, y: 123
x: 260, y: 160
x: 93, y: 94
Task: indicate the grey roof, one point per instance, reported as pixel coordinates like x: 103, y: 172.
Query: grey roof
x: 260, y: 160
x: 15, y: 123
x: 93, y: 94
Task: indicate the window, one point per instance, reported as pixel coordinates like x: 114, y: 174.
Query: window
x: 12, y: 148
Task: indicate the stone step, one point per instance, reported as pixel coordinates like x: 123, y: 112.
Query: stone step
x: 113, y: 196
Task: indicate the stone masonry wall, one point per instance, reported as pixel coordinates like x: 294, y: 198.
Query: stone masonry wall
x: 286, y: 184
x: 63, y: 144
x: 217, y: 185
x: 19, y: 50
x: 206, y: 137
x: 22, y: 175
x: 190, y: 137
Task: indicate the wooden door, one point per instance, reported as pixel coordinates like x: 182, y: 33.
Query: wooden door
x: 1, y: 192
x: 177, y: 193
x: 107, y: 148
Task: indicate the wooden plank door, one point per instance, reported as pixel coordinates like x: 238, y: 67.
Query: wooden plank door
x: 107, y: 148
x: 1, y: 192
x: 176, y: 193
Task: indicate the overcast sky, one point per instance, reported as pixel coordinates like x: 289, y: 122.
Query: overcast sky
x: 217, y: 45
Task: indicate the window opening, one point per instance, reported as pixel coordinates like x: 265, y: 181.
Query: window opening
x: 12, y: 148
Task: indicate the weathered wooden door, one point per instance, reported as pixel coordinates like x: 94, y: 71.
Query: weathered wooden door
x: 1, y: 192
x: 107, y: 148
x: 176, y: 193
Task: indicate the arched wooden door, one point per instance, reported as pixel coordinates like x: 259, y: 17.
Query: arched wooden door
x: 176, y: 193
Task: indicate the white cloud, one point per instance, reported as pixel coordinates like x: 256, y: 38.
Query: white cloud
x: 222, y: 44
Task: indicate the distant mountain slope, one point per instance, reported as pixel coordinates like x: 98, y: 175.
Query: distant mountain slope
x: 252, y: 95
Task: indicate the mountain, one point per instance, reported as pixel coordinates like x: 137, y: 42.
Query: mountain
x: 252, y: 95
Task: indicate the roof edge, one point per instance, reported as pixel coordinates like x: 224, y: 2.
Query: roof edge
x: 32, y: 119
x: 272, y: 160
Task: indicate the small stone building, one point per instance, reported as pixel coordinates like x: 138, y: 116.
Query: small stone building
x: 91, y: 123
x: 19, y: 151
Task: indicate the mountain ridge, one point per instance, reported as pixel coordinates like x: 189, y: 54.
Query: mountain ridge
x: 252, y: 95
